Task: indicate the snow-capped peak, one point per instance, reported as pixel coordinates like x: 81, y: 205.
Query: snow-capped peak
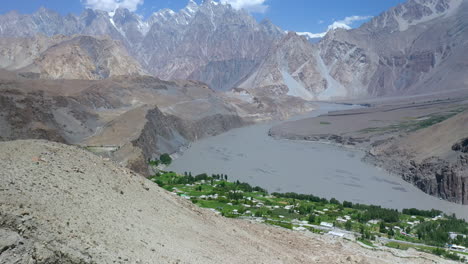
x: 191, y: 8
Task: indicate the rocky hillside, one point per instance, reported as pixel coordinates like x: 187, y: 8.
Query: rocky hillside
x: 60, y: 57
x: 416, y: 47
x: 136, y: 117
x: 293, y: 67
x: 62, y: 204
x: 431, y: 158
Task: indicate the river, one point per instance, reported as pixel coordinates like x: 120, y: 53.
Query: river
x: 249, y: 154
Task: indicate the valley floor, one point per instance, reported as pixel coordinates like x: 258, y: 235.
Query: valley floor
x: 411, y: 137
x: 62, y: 204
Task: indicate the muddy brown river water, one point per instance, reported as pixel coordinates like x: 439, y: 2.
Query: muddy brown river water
x: 249, y: 154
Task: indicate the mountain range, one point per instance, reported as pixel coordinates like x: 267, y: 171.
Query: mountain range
x: 410, y: 49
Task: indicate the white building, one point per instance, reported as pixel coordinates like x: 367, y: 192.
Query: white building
x: 338, y: 234
x: 454, y: 235
x: 341, y: 220
x: 326, y: 224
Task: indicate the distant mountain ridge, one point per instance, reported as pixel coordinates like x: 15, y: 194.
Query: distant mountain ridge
x: 211, y: 42
x: 63, y: 57
x: 416, y: 47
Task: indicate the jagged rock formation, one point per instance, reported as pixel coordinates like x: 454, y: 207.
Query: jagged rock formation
x: 461, y: 146
x: 62, y: 204
x: 60, y: 57
x: 211, y: 42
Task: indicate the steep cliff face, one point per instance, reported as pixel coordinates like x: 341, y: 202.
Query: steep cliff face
x: 434, y: 176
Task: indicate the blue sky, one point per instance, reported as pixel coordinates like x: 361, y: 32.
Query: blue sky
x: 298, y: 15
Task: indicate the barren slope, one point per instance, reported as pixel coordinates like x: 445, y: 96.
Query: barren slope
x: 60, y: 204
x: 74, y: 57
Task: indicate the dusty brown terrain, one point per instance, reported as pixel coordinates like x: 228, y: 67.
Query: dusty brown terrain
x: 385, y: 119
x: 137, y: 117
x: 62, y: 204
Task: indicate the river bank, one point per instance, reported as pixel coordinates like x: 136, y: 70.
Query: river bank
x: 248, y: 154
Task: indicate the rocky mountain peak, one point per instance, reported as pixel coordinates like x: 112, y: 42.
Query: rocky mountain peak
x: 192, y: 7
x: 410, y: 13
x: 123, y: 15
x: 271, y: 28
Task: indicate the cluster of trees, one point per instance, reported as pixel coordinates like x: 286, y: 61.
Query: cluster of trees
x: 163, y: 159
x: 437, y: 232
x: 425, y: 213
x: 245, y: 187
x: 447, y: 254
x: 305, y: 197
x: 222, y: 187
x: 370, y: 212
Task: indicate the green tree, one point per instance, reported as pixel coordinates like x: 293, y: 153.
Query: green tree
x: 348, y: 225
x: 382, y: 228
x: 165, y: 159
x: 408, y: 230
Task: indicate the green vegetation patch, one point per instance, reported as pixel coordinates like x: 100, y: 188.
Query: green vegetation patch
x: 236, y: 199
x: 366, y: 242
x: 414, y: 124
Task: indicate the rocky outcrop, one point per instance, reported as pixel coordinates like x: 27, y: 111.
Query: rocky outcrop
x: 461, y: 146
x: 165, y: 133
x: 162, y: 134
x: 434, y: 176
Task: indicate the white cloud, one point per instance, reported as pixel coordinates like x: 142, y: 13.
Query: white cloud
x: 112, y: 5
x: 256, y: 6
x: 345, y: 23
x: 320, y: 22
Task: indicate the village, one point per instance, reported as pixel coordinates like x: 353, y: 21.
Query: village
x: 370, y: 226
